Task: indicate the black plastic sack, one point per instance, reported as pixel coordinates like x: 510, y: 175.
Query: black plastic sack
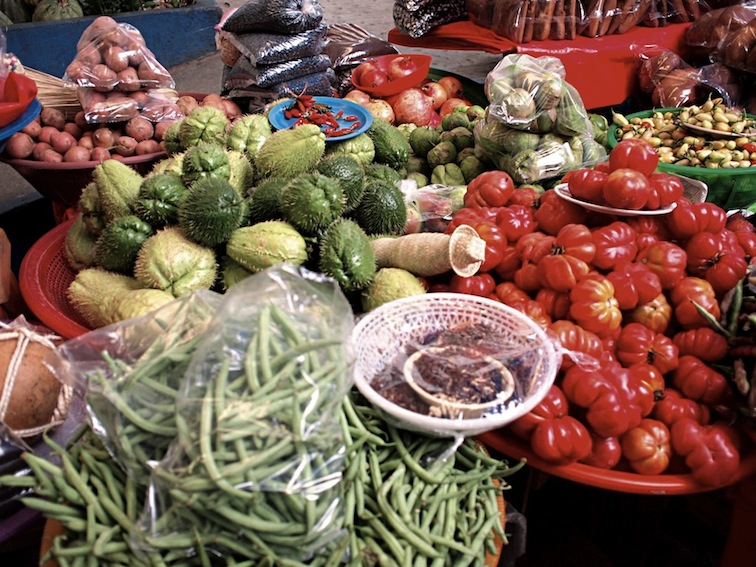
x: 254, y: 99
x: 416, y: 18
x: 281, y: 16
x: 244, y: 74
x: 270, y: 48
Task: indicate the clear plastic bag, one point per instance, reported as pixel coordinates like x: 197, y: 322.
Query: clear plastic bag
x: 664, y: 12
x: 705, y: 33
x: 115, y: 57
x: 117, y: 106
x: 278, y: 16
x: 259, y: 453
x: 530, y: 20
x: 606, y: 17
x: 132, y: 372
x: 432, y: 207
x: 263, y: 48
x: 737, y: 49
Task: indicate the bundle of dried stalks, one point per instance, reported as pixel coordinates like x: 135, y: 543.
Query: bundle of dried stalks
x: 52, y: 93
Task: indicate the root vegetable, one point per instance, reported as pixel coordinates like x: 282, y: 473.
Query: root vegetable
x: 103, y: 78
x: 33, y: 128
x: 77, y: 153
x: 149, y: 74
x: 86, y: 142
x: 432, y: 253
x: 46, y: 133
x: 147, y: 147
x: 100, y: 154
x: 139, y: 128
x: 52, y: 117
x: 128, y: 80
x: 73, y: 129
x: 160, y: 129
x: 116, y: 58
x: 126, y: 146
x: 231, y: 109
x: 39, y: 149
x: 51, y: 156
x: 187, y: 103
x: 19, y: 146
x: 214, y: 101
x: 80, y: 119
x: 142, y: 98
x: 62, y: 142
x: 103, y: 137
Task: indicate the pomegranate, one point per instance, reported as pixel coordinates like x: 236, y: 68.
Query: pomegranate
x: 358, y: 96
x: 453, y: 86
x: 400, y: 66
x: 373, y: 78
x: 412, y: 106
x: 451, y: 104
x: 437, y: 92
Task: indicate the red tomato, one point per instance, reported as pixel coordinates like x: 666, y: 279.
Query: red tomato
x: 516, y: 221
x: 614, y: 242
x: 575, y: 240
x: 709, y: 451
x: 489, y: 189
x: 634, y: 153
x: 556, y: 304
x: 554, y: 212
x: 689, y: 293
x: 668, y: 188
x: 674, y: 406
x: 626, y: 188
x: 561, y: 272
x: 479, y: 284
x: 510, y: 262
x: 667, y: 260
x: 655, y: 315
x: 534, y: 246
x: 526, y: 278
x: 495, y: 241
x: 561, y: 440
x: 588, y: 184
x: 703, y: 342
x: 699, y: 382
x: 525, y: 195
x: 638, y: 344
x: 508, y: 293
x: 602, y: 166
x: 534, y: 310
x: 647, y: 447
x: 577, y: 344
x: 687, y: 220
x: 606, y: 452
x: 594, y: 307
x: 651, y: 376
x: 646, y: 283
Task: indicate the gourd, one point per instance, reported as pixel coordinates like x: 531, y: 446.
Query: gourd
x: 16, y: 11
x: 51, y: 10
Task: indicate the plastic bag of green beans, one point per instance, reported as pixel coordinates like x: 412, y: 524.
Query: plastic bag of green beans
x: 259, y: 452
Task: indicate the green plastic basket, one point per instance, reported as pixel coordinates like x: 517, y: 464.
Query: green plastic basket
x: 728, y: 188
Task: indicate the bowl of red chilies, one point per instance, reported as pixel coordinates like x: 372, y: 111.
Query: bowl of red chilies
x: 339, y: 119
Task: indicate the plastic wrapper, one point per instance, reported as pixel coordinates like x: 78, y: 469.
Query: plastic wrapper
x: 529, y: 20
x: 260, y: 442
x: 116, y: 106
x: 245, y: 74
x: 606, y: 17
x: 265, y: 48
x: 416, y: 18
x: 348, y: 45
x: 737, y: 49
x: 480, y: 12
x: 431, y: 208
x: 254, y: 99
x: 664, y: 12
x: 705, y: 34
x: 132, y: 373
x: 672, y: 82
x: 115, y: 57
x: 278, y: 16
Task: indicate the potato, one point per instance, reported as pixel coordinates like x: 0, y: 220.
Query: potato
x: 126, y: 146
x: 215, y: 101
x: 136, y: 53
x: 128, y: 80
x: 46, y: 133
x: 86, y: 142
x: 100, y: 154
x: 20, y: 145
x: 39, y: 149
x: 89, y: 57
x: 161, y: 127
x: 33, y: 128
x: 103, y: 78
x: 81, y: 120
x: 231, y: 109
x: 51, y: 156
x: 99, y: 27
x: 77, y: 153
x: 187, y: 103
x: 139, y: 128
x: 52, y: 117
x: 78, y: 71
x: 103, y: 137
x: 73, y: 129
x: 33, y: 397
x: 61, y: 142
x: 116, y: 58
x: 147, y: 147
x: 150, y: 74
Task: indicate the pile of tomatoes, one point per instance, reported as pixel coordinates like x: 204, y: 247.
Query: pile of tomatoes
x: 637, y: 304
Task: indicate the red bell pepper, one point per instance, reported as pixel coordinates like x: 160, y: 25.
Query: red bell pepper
x: 489, y: 189
x: 710, y: 451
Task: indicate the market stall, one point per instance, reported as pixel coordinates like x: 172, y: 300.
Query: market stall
x: 352, y: 306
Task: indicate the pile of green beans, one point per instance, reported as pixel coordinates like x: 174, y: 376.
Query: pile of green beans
x: 412, y: 500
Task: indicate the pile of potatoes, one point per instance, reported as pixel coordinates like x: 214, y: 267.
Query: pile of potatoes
x: 52, y: 138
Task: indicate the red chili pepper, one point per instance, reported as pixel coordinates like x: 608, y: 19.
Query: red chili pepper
x: 340, y: 113
x: 350, y: 118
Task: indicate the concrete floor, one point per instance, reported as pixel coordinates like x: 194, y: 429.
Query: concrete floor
x: 375, y: 16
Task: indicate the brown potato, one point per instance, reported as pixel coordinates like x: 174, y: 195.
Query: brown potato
x: 126, y: 146
x: 33, y: 128
x: 86, y: 142
x: 103, y: 137
x: 45, y: 133
x: 52, y: 117
x: 187, y: 103
x: 147, y: 147
x: 231, y: 109
x: 139, y: 128
x: 103, y: 78
x: 62, y: 142
x: 73, y: 129
x: 77, y: 153
x: 20, y: 145
x: 142, y: 98
x: 128, y: 80
x: 116, y: 58
x: 161, y: 127
x: 215, y: 101
x: 51, y: 156
x: 39, y: 149
x: 150, y: 74
x: 100, y: 154
x: 89, y: 57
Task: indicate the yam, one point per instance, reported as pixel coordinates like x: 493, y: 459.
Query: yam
x: 29, y: 389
